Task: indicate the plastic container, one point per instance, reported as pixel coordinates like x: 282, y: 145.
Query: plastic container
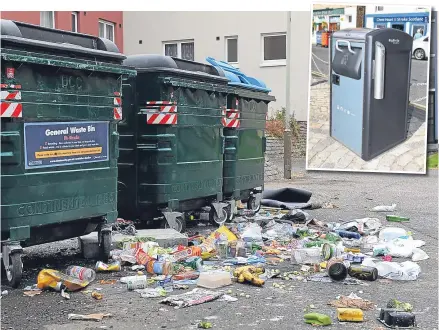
x: 396, y: 319
x: 81, y: 273
x: 127, y: 279
x: 214, y: 279
x: 389, y: 233
x: 306, y: 256
x: 136, y: 282
x: 350, y: 315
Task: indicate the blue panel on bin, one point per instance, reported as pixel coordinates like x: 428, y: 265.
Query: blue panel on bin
x: 236, y: 77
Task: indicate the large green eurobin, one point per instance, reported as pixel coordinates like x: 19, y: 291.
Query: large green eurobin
x: 245, y: 144
x: 60, y: 96
x: 171, y: 141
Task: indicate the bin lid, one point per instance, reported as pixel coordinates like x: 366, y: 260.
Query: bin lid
x: 29, y: 36
x: 153, y: 62
x: 236, y: 77
x: 355, y: 33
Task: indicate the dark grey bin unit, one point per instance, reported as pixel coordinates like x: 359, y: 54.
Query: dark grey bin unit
x: 370, y: 85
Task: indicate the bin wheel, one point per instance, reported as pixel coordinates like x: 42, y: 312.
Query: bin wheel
x: 15, y: 270
x: 105, y: 245
x: 253, y: 205
x: 215, y: 220
x: 181, y: 224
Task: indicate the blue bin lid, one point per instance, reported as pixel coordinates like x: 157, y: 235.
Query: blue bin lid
x: 236, y: 77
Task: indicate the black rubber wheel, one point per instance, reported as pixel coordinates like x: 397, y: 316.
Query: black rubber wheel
x: 419, y: 54
x: 181, y: 222
x: 215, y: 220
x: 253, y: 205
x: 15, y: 271
x: 105, y: 245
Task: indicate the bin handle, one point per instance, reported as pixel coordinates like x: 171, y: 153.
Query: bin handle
x: 345, y: 42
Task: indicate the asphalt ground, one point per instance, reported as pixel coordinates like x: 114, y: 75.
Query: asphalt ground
x: 354, y: 194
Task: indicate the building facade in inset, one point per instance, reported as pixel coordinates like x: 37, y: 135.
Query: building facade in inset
x: 104, y: 24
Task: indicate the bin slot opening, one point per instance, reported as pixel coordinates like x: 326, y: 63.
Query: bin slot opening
x: 347, y: 61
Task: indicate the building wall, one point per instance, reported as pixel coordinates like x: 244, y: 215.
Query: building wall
x: 87, y: 21
x: 153, y: 28
x: 389, y: 9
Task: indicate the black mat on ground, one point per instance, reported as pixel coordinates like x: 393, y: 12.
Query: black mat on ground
x: 286, y: 198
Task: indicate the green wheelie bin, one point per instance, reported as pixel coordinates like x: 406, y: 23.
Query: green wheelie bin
x: 244, y: 131
x: 60, y: 104
x: 171, y: 141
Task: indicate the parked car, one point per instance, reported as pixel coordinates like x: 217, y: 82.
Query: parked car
x: 421, y: 48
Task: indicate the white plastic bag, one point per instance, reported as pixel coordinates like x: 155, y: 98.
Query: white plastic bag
x: 389, y: 233
x: 384, y: 208
x: 404, y: 271
x: 419, y: 255
x: 252, y: 233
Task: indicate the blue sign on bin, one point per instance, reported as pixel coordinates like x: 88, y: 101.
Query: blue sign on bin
x: 61, y: 144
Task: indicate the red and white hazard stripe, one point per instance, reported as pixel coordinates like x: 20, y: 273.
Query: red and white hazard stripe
x: 161, y: 113
x: 231, y: 118
x: 10, y: 109
x: 117, y: 111
x: 12, y: 86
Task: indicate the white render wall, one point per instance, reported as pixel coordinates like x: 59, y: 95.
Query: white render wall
x: 153, y: 28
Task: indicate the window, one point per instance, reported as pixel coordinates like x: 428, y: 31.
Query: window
x: 47, y: 19
x: 274, y: 49
x: 181, y: 49
x: 106, y: 30
x: 350, y: 18
x: 232, y: 49
x: 74, y: 21
x: 379, y: 8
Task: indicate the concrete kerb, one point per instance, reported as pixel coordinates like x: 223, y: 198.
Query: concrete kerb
x: 89, y: 245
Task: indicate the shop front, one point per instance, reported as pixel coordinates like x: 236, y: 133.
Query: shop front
x: 411, y: 23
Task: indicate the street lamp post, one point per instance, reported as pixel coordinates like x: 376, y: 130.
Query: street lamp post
x: 287, y: 131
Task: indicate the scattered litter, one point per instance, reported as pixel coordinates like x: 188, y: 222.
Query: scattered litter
x: 65, y: 295
x: 5, y: 293
x: 55, y: 280
x: 96, y: 295
x: 107, y: 281
x: 90, y: 317
x: 404, y: 271
x: 228, y: 298
x: 350, y: 315
x: 352, y: 301
x: 384, y: 208
x: 204, y: 325
x: 151, y: 292
x: 396, y: 218
x: 195, y: 297
x: 113, y: 267
x: 397, y: 319
x: 31, y: 293
x: 317, y: 319
x: 393, y: 303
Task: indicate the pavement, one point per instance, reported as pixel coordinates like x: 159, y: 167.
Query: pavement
x: 324, y: 152
x: 266, y: 308
x: 418, y: 90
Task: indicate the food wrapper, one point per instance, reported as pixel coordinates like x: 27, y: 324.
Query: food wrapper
x: 113, y: 267
x: 142, y: 257
x: 195, y: 297
x: 225, y: 231
x: 50, y: 279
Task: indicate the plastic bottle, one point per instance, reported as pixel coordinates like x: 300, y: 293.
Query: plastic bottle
x: 348, y: 234
x: 363, y: 272
x: 82, y: 273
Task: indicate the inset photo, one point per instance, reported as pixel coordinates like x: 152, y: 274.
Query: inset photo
x: 368, y: 98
